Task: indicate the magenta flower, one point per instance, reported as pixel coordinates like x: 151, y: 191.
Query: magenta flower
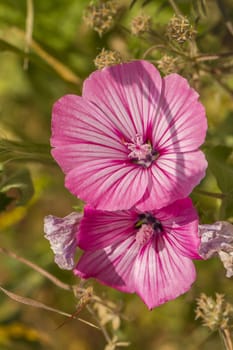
x: 148, y: 253
x: 61, y: 233
x: 132, y: 139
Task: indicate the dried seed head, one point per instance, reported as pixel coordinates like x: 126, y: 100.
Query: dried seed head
x: 168, y: 64
x: 179, y: 29
x: 107, y: 58
x: 100, y: 16
x: 140, y: 24
x: 215, y: 314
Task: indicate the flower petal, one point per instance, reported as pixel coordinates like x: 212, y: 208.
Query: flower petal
x: 111, y: 266
x: 80, y: 131
x: 172, y: 177
x: 100, y: 229
x: 128, y: 94
x: 160, y: 274
x: 180, y: 222
x: 61, y: 233
x: 182, y: 124
x: 107, y: 185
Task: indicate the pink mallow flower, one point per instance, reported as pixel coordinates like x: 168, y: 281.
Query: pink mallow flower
x: 149, y: 253
x: 132, y: 138
x: 61, y: 233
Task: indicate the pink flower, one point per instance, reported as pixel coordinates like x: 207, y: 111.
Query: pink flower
x: 131, y: 139
x: 148, y: 253
x: 61, y: 233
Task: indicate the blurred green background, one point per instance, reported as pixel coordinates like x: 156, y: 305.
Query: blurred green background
x: 61, y: 56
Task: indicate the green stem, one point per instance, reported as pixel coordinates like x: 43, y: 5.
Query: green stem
x: 210, y: 194
x: 175, y: 7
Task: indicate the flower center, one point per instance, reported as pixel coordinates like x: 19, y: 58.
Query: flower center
x: 141, y: 153
x: 144, y: 234
x: 148, y: 226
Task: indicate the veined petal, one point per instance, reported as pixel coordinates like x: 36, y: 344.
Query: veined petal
x: 111, y: 266
x: 180, y: 223
x: 61, y: 233
x: 160, y: 274
x: 74, y: 155
x: 172, y: 177
x: 75, y: 120
x: 182, y: 124
x: 107, y: 185
x: 100, y: 229
x: 128, y: 94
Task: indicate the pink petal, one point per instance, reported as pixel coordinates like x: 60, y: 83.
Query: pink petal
x: 74, y: 155
x: 100, y: 229
x: 180, y: 222
x: 182, y: 124
x: 172, y: 177
x: 111, y: 266
x: 128, y: 94
x: 107, y: 185
x: 160, y: 274
x: 80, y: 131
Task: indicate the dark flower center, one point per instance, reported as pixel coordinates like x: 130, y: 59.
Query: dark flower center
x: 147, y: 226
x: 141, y: 153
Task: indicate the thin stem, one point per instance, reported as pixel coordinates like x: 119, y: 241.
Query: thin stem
x: 152, y: 48
x: 73, y: 288
x: 66, y: 73
x: 40, y: 305
x: 29, y: 30
x: 210, y: 194
x: 37, y: 268
x: 175, y: 7
x: 206, y: 57
x: 103, y: 329
x: 226, y: 337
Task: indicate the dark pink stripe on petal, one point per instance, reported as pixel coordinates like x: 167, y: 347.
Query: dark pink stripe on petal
x: 100, y: 229
x: 160, y: 274
x: 111, y: 266
x: 129, y: 94
x: 182, y: 123
x: 108, y: 185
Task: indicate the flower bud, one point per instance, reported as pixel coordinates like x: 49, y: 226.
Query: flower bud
x: 100, y: 16
x: 140, y: 24
x: 179, y: 29
x: 107, y: 58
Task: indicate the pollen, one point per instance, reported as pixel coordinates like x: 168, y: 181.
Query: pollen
x: 144, y: 234
x: 141, y: 153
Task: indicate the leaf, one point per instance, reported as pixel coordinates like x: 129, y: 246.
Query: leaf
x: 19, y: 183
x: 38, y: 304
x: 4, y: 201
x: 223, y: 172
x: 217, y: 158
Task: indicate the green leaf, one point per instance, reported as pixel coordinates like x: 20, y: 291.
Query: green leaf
x: 4, y: 201
x: 20, y: 180
x: 223, y: 171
